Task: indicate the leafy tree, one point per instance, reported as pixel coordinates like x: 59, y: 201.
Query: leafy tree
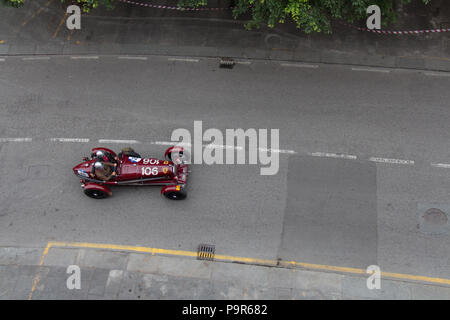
x: 308, y: 15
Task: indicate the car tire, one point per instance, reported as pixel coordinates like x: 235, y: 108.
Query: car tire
x: 96, y: 194
x: 175, y: 195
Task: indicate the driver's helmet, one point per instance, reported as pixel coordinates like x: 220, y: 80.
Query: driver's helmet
x: 100, y: 154
x: 98, y: 165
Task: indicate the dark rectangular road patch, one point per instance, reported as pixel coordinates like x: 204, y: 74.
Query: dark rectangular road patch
x: 331, y: 213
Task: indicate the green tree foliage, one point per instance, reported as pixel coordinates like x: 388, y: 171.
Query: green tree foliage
x: 308, y: 15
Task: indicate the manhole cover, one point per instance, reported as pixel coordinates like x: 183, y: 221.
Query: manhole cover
x: 206, y: 252
x: 434, y: 221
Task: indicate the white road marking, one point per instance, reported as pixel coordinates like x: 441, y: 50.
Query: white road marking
x: 68, y: 140
x: 299, y: 65
x: 220, y: 146
x: 392, y: 161
x: 333, y: 155
x: 83, y: 57
x: 441, y: 165
x: 132, y: 58
x: 2, y: 60
x: 35, y: 58
x: 438, y: 74
x: 118, y: 141
x: 16, y: 139
x: 371, y: 70
x: 243, y: 62
x: 277, y: 150
x: 171, y: 143
x: 183, y: 59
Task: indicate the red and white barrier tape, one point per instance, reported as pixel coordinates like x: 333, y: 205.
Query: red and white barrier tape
x: 157, y: 6
x: 396, y: 32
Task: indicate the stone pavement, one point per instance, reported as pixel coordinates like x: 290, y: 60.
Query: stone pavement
x: 129, y: 29
x: 111, y: 274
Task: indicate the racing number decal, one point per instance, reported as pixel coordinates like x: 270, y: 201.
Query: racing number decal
x: 150, y: 161
x: 149, y: 171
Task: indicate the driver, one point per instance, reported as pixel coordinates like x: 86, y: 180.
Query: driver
x: 104, y: 170
x: 104, y: 156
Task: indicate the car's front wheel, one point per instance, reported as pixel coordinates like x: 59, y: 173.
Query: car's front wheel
x: 175, y: 195
x: 96, y: 194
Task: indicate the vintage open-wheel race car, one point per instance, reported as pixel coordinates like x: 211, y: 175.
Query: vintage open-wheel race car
x: 131, y: 169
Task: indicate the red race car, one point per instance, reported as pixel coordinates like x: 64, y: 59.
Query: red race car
x: 105, y: 169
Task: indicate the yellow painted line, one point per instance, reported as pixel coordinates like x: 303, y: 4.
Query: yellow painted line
x: 37, y: 12
x: 2, y: 41
x: 124, y: 248
x: 36, y: 277
x: 33, y: 16
x: 63, y: 19
x: 70, y: 35
x: 246, y: 260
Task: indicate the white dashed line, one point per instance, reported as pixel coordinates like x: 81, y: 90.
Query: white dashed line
x: 243, y: 62
x: 371, y: 70
x: 2, y: 60
x: 438, y: 74
x: 334, y: 155
x: 183, y: 59
x: 220, y: 146
x: 277, y: 150
x: 16, y: 139
x: 83, y: 57
x: 118, y: 141
x: 68, y: 140
x: 441, y: 165
x: 132, y: 58
x: 392, y: 161
x: 35, y: 58
x: 171, y: 143
x: 299, y: 65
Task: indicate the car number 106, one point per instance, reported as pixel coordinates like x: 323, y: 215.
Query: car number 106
x: 149, y: 171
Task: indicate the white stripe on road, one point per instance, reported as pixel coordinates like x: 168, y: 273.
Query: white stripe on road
x: 333, y: 155
x: 83, y: 57
x: 371, y: 70
x: 438, y: 74
x: 35, y: 58
x: 118, y: 141
x: 171, y: 143
x: 243, y: 62
x: 132, y: 58
x: 68, y: 140
x: 392, y: 161
x: 220, y: 146
x: 441, y: 165
x: 299, y: 65
x: 277, y: 150
x: 16, y: 139
x: 2, y: 60
x: 183, y: 59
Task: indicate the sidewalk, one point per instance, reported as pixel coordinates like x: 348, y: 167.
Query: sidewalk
x: 131, y: 30
x: 111, y: 274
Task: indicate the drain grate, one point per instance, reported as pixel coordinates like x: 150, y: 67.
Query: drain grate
x: 206, y: 252
x: 227, y: 63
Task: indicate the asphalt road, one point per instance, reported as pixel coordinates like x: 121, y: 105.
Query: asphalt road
x: 336, y: 201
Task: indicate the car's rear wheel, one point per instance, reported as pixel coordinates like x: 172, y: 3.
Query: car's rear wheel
x: 96, y: 194
x: 175, y: 195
